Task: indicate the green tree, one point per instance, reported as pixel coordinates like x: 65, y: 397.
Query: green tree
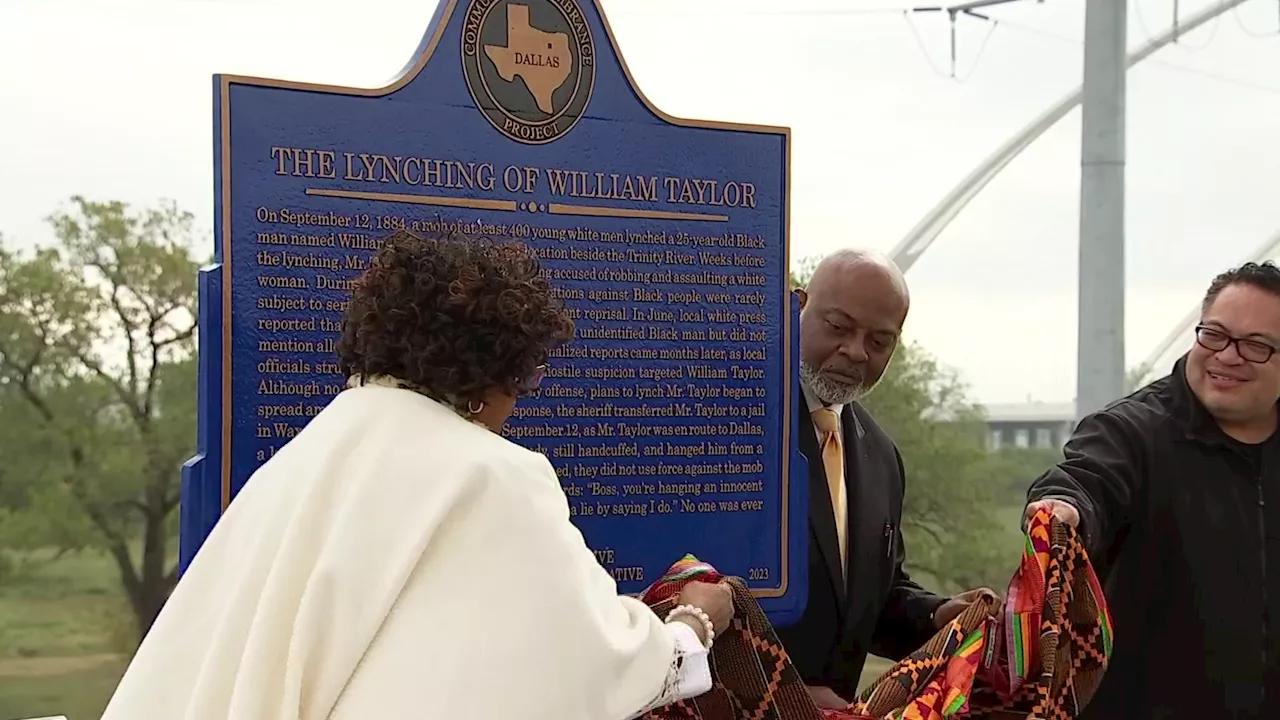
x: 951, y: 517
x: 955, y: 519
x: 97, y: 340
x: 803, y: 270
x: 1014, y: 468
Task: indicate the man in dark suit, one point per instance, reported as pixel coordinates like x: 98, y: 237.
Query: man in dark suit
x: 860, y: 598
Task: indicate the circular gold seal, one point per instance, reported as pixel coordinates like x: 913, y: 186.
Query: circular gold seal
x: 529, y: 64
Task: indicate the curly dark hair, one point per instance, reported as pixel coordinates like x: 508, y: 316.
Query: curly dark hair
x: 1264, y: 276
x: 452, y: 316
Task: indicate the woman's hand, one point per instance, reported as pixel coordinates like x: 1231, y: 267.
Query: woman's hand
x: 714, y: 600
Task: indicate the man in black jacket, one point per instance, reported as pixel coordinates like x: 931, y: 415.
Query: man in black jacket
x: 860, y: 598
x: 1176, y: 490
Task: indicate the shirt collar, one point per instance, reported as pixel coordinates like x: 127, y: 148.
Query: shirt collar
x: 814, y: 403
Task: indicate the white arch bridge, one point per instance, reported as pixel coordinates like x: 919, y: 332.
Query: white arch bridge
x: 923, y: 235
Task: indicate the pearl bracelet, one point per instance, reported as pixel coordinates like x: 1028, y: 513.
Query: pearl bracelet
x: 709, y: 628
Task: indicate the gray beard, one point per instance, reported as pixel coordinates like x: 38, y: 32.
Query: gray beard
x: 829, y: 391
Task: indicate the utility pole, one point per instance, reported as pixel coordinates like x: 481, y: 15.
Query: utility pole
x: 1100, y: 330
x: 912, y: 247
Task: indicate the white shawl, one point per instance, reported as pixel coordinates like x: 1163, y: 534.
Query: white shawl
x: 397, y: 561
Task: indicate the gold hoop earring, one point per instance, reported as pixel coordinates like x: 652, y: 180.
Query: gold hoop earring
x: 475, y: 407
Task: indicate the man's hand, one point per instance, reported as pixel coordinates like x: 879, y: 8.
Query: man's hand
x: 951, y: 609
x: 1063, y: 511
x: 826, y: 698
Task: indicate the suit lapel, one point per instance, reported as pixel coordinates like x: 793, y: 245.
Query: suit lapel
x: 863, y: 528
x: 821, y: 516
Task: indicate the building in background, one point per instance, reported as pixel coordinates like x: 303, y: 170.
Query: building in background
x: 1030, y: 425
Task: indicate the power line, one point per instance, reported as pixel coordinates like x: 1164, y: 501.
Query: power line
x: 1235, y: 13
x: 1261, y: 87
x: 924, y: 50
x: 965, y: 9
x: 790, y: 12
x: 1032, y: 30
x: 1145, y: 29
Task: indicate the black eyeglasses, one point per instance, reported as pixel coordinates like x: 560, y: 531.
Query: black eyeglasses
x: 1255, y: 351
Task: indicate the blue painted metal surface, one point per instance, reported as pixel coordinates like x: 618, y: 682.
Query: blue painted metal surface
x: 670, y: 419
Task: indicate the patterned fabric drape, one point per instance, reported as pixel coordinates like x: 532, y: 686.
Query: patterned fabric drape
x: 753, y: 677
x: 1043, y: 657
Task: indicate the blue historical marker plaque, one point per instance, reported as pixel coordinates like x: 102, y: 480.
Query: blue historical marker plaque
x: 670, y: 417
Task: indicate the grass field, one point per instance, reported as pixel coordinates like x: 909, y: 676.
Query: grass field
x: 77, y: 687
x: 63, y: 626
x: 874, y: 668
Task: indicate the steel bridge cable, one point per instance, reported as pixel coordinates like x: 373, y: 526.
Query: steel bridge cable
x: 1145, y: 30
x: 918, y: 240
x: 1262, y: 87
x: 1251, y: 33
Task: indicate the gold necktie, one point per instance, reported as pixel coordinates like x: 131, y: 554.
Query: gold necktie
x: 828, y: 424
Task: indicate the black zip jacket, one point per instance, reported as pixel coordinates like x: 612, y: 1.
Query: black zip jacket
x: 1183, y: 527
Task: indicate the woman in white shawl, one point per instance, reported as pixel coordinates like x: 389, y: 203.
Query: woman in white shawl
x: 399, y: 559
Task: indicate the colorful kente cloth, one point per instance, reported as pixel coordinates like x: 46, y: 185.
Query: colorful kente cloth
x: 1042, y: 660
x: 753, y: 677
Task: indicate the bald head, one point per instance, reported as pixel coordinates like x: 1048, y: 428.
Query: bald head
x: 852, y: 265
x: 851, y: 317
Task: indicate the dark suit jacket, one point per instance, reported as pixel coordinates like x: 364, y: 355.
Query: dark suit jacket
x: 879, y: 610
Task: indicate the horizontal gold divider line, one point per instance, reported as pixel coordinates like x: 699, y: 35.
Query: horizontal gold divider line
x: 597, y: 211
x: 509, y: 205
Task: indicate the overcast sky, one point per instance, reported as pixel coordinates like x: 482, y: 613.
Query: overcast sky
x: 112, y: 100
